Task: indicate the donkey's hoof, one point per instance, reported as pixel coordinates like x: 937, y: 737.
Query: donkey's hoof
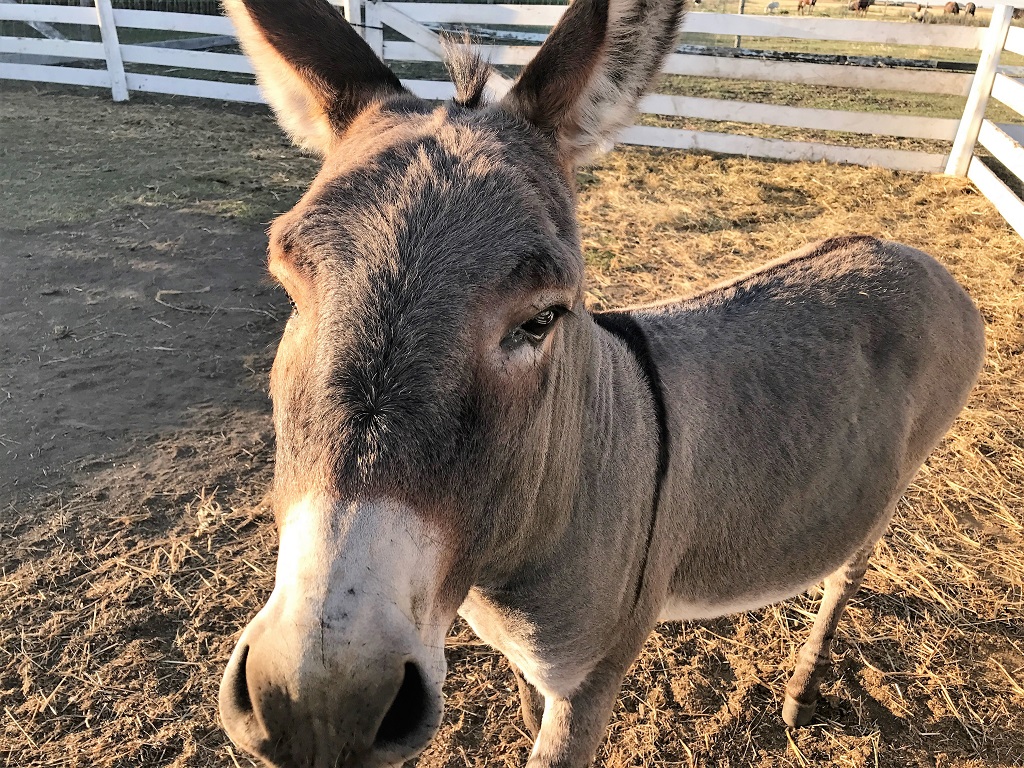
x: 797, y: 713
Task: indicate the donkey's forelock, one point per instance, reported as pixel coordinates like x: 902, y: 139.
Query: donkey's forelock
x: 469, y: 71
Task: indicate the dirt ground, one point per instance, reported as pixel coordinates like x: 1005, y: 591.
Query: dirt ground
x: 136, y: 332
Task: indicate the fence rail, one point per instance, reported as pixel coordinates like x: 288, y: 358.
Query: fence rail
x: 73, y: 62
x: 975, y: 129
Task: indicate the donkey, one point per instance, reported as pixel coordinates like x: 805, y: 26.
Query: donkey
x: 458, y: 434
x: 808, y: 4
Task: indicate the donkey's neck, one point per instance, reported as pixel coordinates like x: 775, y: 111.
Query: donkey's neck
x: 597, y: 499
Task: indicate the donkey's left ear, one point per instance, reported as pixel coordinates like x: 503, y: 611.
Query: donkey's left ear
x: 313, y: 68
x: 585, y: 83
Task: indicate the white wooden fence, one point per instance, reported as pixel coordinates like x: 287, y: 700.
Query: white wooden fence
x: 974, y: 128
x: 103, y: 64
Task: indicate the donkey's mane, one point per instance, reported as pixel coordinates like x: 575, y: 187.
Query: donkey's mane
x: 468, y: 69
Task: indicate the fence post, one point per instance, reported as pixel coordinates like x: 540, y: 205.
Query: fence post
x: 739, y: 40
x: 112, y: 50
x: 373, y: 29
x: 981, y: 88
x: 353, y: 10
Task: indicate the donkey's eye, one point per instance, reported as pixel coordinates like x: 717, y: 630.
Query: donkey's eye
x: 295, y: 308
x: 538, y: 326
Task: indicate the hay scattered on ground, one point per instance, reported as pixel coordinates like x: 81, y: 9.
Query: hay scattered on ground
x: 118, y: 608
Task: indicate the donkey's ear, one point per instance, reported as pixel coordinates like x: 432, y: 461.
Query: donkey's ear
x: 584, y: 84
x: 313, y: 68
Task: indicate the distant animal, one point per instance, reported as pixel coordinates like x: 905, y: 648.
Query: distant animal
x: 951, y: 7
x: 1018, y: 13
x: 808, y: 4
x: 969, y: 9
x: 458, y: 433
x: 772, y: 7
x: 860, y: 7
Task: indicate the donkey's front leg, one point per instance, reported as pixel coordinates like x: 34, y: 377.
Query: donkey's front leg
x: 531, y: 702
x: 572, y: 727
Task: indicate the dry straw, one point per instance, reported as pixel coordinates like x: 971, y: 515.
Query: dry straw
x: 117, y: 614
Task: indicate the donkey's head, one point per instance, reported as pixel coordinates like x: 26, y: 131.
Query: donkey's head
x: 427, y: 388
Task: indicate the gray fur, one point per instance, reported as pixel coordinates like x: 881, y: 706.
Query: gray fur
x: 564, y: 491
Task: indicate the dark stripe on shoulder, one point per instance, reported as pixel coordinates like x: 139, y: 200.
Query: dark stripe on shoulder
x: 623, y: 325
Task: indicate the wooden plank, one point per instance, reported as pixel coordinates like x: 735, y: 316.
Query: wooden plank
x: 1009, y: 91
x: 388, y: 14
x: 112, y: 50
x: 56, y: 14
x: 777, y: 149
x: 395, y: 50
x: 373, y: 31
x: 68, y: 49
x: 204, y: 89
x: 194, y: 43
x: 435, y: 90
x: 460, y: 13
x: 174, y: 22
x: 841, y: 76
x: 42, y: 28
x: 1013, y: 130
x: 170, y: 57
x: 352, y: 10
x: 981, y: 89
x: 1015, y: 40
x: 848, y: 30
x: 836, y: 75
x: 872, y: 123
x: 1004, y: 147
x: 44, y: 74
x: 1000, y: 195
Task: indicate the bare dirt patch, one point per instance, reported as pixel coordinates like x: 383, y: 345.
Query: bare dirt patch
x: 135, y: 445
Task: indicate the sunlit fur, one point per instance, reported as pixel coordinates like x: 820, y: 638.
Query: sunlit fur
x: 562, y: 490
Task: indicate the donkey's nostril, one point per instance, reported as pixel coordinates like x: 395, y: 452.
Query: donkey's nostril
x: 241, y: 684
x: 407, y: 711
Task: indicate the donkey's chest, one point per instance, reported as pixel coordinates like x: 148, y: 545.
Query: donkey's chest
x: 553, y: 670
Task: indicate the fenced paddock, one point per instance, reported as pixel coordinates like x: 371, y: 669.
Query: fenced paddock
x: 406, y: 34
x: 136, y: 444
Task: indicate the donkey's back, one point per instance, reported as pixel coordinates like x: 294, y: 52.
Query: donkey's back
x: 802, y: 399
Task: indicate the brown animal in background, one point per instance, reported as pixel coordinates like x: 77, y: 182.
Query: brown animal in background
x: 969, y: 9
x: 808, y: 4
x: 458, y: 433
x: 860, y: 7
x: 951, y: 7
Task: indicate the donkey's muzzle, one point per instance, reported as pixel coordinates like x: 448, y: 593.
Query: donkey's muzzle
x: 344, y: 664
x: 374, y: 707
